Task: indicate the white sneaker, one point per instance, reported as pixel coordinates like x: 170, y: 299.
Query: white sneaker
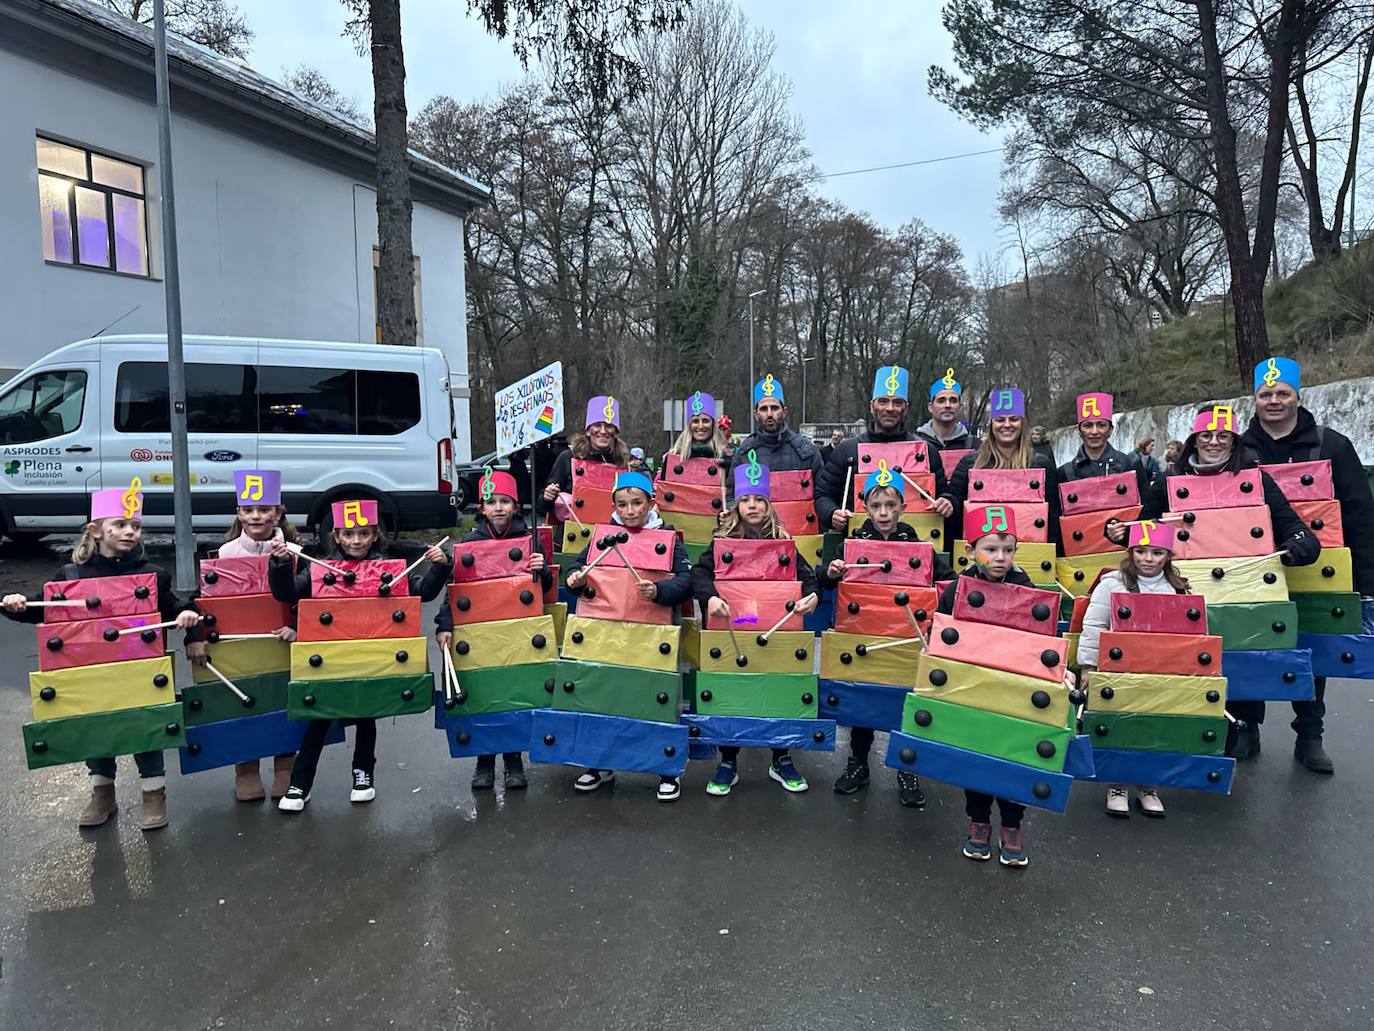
x: 293, y: 801
x: 1150, y: 805
x: 593, y: 779
x: 1118, y: 802
x: 363, y: 789
x: 669, y: 789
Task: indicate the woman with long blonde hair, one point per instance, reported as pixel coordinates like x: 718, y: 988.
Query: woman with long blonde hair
x: 702, y: 437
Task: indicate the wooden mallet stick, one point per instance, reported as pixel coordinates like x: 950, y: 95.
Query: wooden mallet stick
x: 80, y: 603
x: 763, y: 638
x: 408, y: 569
x: 633, y: 572
x: 918, y: 488
x: 849, y: 474
x: 296, y: 549
x: 456, y: 692
x: 1257, y: 560
x: 151, y: 626
x: 915, y: 625
x: 225, y: 681
x: 238, y: 637
x: 868, y: 648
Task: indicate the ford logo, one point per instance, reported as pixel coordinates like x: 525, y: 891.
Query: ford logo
x: 222, y: 456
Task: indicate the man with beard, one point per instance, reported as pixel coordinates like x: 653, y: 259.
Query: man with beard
x: 1282, y: 430
x: 775, y: 445
x: 1096, y: 456
x: 946, y: 430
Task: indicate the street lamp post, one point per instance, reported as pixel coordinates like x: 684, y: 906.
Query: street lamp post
x: 749, y: 388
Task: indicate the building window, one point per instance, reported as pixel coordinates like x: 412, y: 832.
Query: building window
x: 93, y: 209
x: 377, y: 293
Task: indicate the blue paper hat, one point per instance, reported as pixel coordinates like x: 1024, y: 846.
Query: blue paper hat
x: 1278, y: 370
x: 752, y: 478
x: 946, y: 382
x: 257, y: 487
x: 630, y: 479
x: 768, y: 387
x: 892, y: 381
x: 700, y: 403
x: 1007, y: 401
x: 882, y: 478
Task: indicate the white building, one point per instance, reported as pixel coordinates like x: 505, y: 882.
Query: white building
x: 276, y: 207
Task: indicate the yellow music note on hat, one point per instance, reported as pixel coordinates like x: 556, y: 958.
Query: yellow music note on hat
x: 1220, y: 414
x: 1145, y: 527
x: 769, y: 387
x: 252, y: 488
x: 1272, y: 375
x: 609, y: 410
x: 892, y: 382
x: 353, y: 515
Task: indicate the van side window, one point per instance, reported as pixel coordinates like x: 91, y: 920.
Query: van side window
x: 388, y: 402
x: 337, y: 401
x: 47, y: 404
x: 219, y: 398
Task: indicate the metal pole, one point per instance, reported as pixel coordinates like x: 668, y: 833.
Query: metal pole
x: 749, y: 388
x: 804, y: 364
x: 171, y: 278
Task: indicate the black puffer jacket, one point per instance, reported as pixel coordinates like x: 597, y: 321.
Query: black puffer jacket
x: 291, y: 586
x: 844, y: 462
x: 781, y: 452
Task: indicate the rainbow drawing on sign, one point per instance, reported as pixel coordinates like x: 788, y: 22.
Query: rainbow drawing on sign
x: 544, y: 424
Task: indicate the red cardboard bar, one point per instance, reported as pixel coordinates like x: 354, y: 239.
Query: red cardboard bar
x: 949, y: 460
x: 83, y: 642
x: 1159, y: 613
x: 1303, y: 481
x: 755, y: 605
x: 798, y: 517
x: 594, y: 476
x: 905, y: 563
x: 245, y: 614
x: 492, y: 560
x: 705, y: 471
x: 1224, y: 533
x: 134, y: 594
x: 1324, y: 519
x: 1119, y: 490
x: 1080, y: 608
x: 644, y: 549
x: 692, y: 498
x: 912, y: 500
x: 592, y: 504
x: 1082, y: 533
x: 1192, y: 655
x: 1032, y: 520
x: 367, y: 582
x: 551, y: 593
x: 907, y: 456
x: 224, y: 577
x: 1224, y: 490
x: 1004, y: 604
x: 359, y: 619
x: 998, y: 647
x: 876, y: 609
x: 739, y: 559
x: 791, y: 485
x: 994, y: 486
x: 613, y: 593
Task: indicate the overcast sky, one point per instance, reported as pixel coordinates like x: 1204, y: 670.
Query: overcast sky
x: 858, y: 74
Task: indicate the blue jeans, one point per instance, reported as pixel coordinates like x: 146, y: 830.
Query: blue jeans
x: 150, y: 764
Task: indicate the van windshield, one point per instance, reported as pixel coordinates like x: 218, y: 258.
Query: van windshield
x: 47, y: 404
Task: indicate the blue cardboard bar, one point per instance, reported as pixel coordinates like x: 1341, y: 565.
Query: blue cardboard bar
x: 1078, y: 758
x: 698, y: 750
x: 759, y: 732
x: 1277, y: 675
x: 853, y: 704
x: 601, y: 742
x: 1340, y: 655
x: 212, y: 745
x: 965, y: 769
x: 489, y: 733
x: 1165, y: 769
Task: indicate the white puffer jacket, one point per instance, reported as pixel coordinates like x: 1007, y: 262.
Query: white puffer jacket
x: 244, y: 546
x: 1099, y: 614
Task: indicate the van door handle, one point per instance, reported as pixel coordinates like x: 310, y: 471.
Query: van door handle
x: 82, y: 448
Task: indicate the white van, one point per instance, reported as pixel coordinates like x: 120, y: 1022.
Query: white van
x: 339, y: 420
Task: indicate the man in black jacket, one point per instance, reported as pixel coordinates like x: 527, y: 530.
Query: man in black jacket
x: 891, y: 400
x: 1284, y: 431
x: 776, y: 446
x: 1096, y: 456
x: 946, y: 430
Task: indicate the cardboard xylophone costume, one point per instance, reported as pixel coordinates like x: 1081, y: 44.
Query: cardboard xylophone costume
x: 592, y: 481
x: 1086, y: 506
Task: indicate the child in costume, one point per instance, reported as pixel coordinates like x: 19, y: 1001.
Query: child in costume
x: 356, y: 538
x: 111, y: 545
x: 750, y: 518
x: 1148, y: 568
x: 633, y: 495
x: 499, y: 520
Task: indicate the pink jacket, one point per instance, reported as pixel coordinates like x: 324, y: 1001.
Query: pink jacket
x: 244, y: 546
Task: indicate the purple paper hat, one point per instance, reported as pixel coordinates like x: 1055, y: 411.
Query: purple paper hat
x: 257, y: 487
x: 1007, y: 401
x: 700, y: 403
x: 752, y: 478
x: 603, y: 409
x: 118, y: 502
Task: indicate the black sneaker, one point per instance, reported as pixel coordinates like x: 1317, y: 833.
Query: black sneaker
x: 294, y: 800
x: 854, y: 777
x: 363, y: 789
x: 515, y: 773
x: 484, y: 773
x: 909, y: 791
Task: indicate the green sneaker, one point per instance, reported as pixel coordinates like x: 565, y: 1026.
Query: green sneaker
x: 726, y: 777
x: 786, y: 774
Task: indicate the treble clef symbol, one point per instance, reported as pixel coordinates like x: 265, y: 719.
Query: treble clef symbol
x: 696, y: 404
x: 892, y: 382
x: 769, y: 386
x: 1272, y: 376
x: 609, y: 410
x: 130, y: 499
x: 948, y: 381
x: 753, y: 470
x: 488, y: 486
x: 884, y: 475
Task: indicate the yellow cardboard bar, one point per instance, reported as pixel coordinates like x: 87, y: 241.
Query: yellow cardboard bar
x: 1078, y: 573
x: 1330, y: 573
x: 691, y: 642
x: 1071, y: 652
x: 243, y: 659
x: 810, y: 547
x: 505, y: 642
x: 1157, y: 693
x: 1256, y: 582
x: 1031, y: 557
x: 558, y: 610
x: 840, y: 659
x: 928, y: 526
x: 105, y: 687
x: 980, y: 687
x: 638, y: 645
x: 699, y: 529
x: 353, y: 660
x: 787, y: 651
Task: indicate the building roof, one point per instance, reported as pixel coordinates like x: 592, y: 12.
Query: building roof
x: 119, y: 53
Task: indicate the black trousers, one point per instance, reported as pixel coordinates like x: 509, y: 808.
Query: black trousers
x: 860, y: 741
x: 1308, y: 717
x: 978, y: 806
x: 730, y: 754
x: 308, y: 759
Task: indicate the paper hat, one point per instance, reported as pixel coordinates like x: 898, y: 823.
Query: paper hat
x: 988, y: 519
x: 1007, y: 401
x: 892, y: 381
x: 119, y: 502
x: 349, y: 515
x: 603, y: 409
x: 257, y: 487
x: 768, y: 387
x: 700, y: 403
x: 628, y: 479
x: 752, y: 478
x: 947, y: 382
x: 494, y: 482
x: 1151, y: 534
x: 1215, y: 417
x: 1277, y: 370
x: 884, y: 477
x: 636, y: 452
x: 1093, y: 406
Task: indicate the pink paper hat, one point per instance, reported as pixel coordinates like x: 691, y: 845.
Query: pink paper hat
x: 1215, y: 417
x: 119, y: 502
x: 350, y: 514
x: 1151, y: 534
x: 257, y: 487
x: 1093, y: 406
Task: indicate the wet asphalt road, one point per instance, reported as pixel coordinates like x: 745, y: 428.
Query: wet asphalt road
x: 435, y: 908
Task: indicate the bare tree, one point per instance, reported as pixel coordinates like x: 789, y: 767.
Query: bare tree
x: 216, y: 24
x: 311, y: 83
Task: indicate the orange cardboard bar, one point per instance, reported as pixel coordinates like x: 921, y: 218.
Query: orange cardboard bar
x: 1224, y: 533
x: 369, y: 577
x: 244, y: 614
x: 1119, y: 490
x: 798, y: 517
x: 693, y: 470
x: 357, y: 619
x: 910, y: 563
x: 876, y: 609
x: 1324, y: 519
x: 692, y: 498
x: 740, y: 559
x: 791, y: 485
x: 594, y: 475
x: 998, y: 647
x: 613, y: 593
x: 1224, y: 490
x: 1004, y: 604
x: 1194, y: 655
x: 755, y: 605
x: 1082, y: 533
x: 83, y: 642
x: 1303, y: 481
x: 592, y: 504
x: 994, y: 486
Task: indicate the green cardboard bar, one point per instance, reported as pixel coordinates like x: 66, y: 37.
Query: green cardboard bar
x: 1328, y: 613
x: 637, y: 694
x: 365, y: 698
x: 791, y: 696
x: 988, y: 733
x: 694, y: 550
x: 98, y: 735
x: 504, y: 688
x: 1254, y: 627
x: 213, y: 702
x: 1148, y: 732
